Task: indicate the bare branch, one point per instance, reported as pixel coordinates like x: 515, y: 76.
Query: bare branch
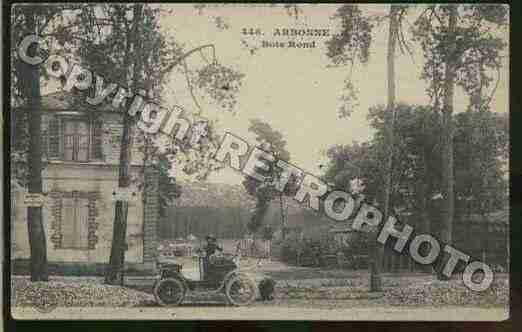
x: 191, y: 89
x: 490, y: 98
x: 184, y: 56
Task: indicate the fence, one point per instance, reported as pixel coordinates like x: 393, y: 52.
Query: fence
x: 258, y: 249
x: 176, y: 249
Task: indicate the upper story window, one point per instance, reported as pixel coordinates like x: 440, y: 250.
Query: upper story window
x: 74, y: 139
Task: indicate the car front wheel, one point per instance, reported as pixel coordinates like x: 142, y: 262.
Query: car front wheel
x: 169, y: 292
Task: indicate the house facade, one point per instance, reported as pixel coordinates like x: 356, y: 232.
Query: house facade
x: 81, y: 148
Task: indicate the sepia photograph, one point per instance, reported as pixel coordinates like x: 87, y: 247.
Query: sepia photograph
x: 205, y: 161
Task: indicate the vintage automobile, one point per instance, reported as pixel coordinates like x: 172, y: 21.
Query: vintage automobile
x: 220, y: 275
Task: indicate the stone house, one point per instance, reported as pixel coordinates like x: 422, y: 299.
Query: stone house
x: 81, y: 147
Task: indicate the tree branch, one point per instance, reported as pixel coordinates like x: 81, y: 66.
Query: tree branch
x: 191, y: 88
x: 184, y: 56
x: 494, y: 89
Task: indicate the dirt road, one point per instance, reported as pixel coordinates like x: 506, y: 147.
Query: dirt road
x: 301, y: 294
x: 293, y: 311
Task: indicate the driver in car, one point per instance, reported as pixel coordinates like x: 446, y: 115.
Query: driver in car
x: 212, y: 246
x: 210, y: 249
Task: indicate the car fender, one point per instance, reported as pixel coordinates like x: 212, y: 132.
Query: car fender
x: 178, y: 276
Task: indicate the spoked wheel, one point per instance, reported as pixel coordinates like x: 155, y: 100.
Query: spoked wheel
x: 240, y: 290
x: 169, y: 292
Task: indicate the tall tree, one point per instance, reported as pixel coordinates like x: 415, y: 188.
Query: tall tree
x: 272, y: 141
x: 354, y: 42
x: 448, y: 192
x: 454, y: 39
x: 124, y: 31
x: 117, y: 258
x: 26, y: 152
x: 30, y: 77
x: 124, y: 44
x: 393, y: 32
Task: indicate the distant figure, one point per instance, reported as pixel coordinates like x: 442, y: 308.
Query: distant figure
x: 266, y: 289
x: 238, y: 247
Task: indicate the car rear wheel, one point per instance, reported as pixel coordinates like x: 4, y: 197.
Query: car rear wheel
x: 240, y: 290
x: 169, y: 292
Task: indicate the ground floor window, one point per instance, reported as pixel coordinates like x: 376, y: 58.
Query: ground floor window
x: 75, y: 222
x: 74, y: 225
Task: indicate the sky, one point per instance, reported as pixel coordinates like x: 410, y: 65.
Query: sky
x: 295, y: 90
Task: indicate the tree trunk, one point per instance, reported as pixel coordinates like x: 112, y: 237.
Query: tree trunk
x: 239, y: 223
x: 447, y: 136
x: 283, y: 216
x: 377, y: 261
x: 422, y: 196
x: 394, y: 261
x: 117, y: 258
x: 37, y: 239
x: 175, y: 225
x: 424, y: 215
x: 114, y: 273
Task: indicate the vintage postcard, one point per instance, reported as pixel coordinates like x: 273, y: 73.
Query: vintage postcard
x: 259, y: 161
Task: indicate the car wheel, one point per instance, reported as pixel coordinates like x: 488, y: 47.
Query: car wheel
x: 169, y: 292
x: 240, y: 290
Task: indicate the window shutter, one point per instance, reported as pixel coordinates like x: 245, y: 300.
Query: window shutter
x: 69, y: 131
x: 54, y: 138
x: 75, y: 222
x: 82, y: 133
x: 20, y: 129
x: 13, y: 129
x: 97, y: 140
x: 83, y: 223
x: 68, y: 222
x: 45, y: 143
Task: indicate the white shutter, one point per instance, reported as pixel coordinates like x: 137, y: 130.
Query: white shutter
x: 82, y: 132
x: 68, y: 217
x: 83, y: 222
x: 75, y: 221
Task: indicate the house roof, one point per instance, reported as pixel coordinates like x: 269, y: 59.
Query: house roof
x: 71, y: 101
